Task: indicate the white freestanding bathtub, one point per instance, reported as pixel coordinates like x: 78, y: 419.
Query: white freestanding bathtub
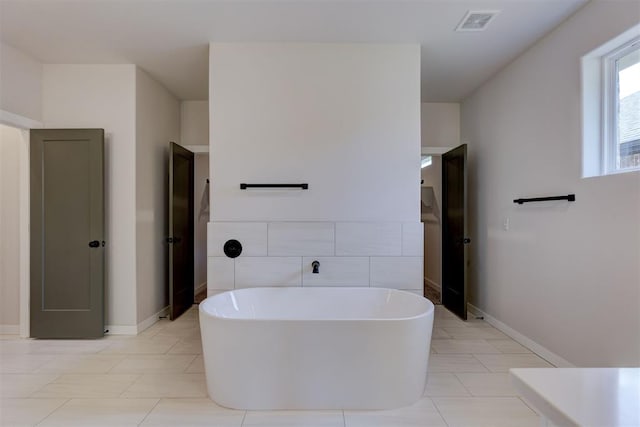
x: 316, y: 348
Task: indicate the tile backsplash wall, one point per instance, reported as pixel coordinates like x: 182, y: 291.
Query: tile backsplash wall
x: 380, y: 254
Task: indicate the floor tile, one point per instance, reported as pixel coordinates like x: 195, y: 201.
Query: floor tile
x: 508, y: 346
x: 70, y: 346
x: 186, y: 331
x: 23, y: 385
x: 470, y: 332
x: 449, y: 323
x: 492, y: 384
x: 27, y: 412
x: 140, y: 346
x: 86, y: 386
x: 439, y: 333
x: 165, y: 363
x: 22, y: 363
x: 421, y: 414
x: 294, y: 418
x: 197, y: 366
x: 440, y: 312
x: 154, y: 329
x: 455, y: 363
x: 157, y: 378
x: 443, y: 346
x: 486, y: 411
x: 16, y: 346
x: 192, y: 412
x: 444, y: 385
x: 168, y: 385
x: 192, y: 346
x: 85, y: 364
x: 502, y: 362
x: 100, y: 412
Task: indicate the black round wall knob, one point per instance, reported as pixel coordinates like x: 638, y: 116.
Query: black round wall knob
x: 232, y: 248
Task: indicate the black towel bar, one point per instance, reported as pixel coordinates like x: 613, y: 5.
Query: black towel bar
x: 300, y: 186
x: 568, y: 197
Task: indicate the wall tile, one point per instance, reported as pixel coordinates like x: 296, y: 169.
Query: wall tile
x: 252, y: 236
x: 396, y: 272
x: 368, y: 239
x: 336, y: 271
x: 412, y: 239
x: 268, y: 271
x: 301, y: 238
x: 220, y: 273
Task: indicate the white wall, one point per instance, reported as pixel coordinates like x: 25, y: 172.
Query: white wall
x: 157, y: 123
x: 440, y: 123
x: 566, y: 275
x: 20, y: 83
x: 103, y: 96
x: 10, y: 142
x: 194, y: 130
x: 194, y: 118
x: 440, y: 128
x: 343, y: 118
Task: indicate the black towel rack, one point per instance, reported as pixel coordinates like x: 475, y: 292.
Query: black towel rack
x: 300, y: 186
x: 568, y: 197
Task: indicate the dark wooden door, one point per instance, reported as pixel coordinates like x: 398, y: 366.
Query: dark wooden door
x: 67, y: 233
x: 455, y: 240
x: 181, y: 291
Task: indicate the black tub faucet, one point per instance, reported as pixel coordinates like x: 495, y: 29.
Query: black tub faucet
x: 316, y: 267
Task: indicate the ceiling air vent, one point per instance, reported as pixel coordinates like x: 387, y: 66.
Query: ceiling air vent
x: 477, y: 20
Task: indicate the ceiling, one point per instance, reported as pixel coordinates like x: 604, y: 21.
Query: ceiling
x: 169, y: 38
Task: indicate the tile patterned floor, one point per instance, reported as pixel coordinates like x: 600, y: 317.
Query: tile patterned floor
x: 157, y: 379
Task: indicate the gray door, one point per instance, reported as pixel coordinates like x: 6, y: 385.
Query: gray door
x: 455, y: 239
x: 181, y: 292
x: 67, y: 233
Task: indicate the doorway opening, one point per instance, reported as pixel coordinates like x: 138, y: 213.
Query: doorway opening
x: 201, y: 212
x: 15, y: 128
x: 444, y: 215
x: 430, y: 215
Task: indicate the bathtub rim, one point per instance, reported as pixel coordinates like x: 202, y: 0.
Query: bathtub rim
x: 429, y: 312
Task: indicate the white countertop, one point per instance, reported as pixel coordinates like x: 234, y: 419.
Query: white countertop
x: 602, y: 397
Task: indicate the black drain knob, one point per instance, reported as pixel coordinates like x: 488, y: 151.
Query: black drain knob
x: 232, y: 248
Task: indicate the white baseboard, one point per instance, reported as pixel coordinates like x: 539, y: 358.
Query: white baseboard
x: 9, y: 329
x: 541, y: 351
x: 201, y: 287
x: 135, y: 330
x: 433, y: 284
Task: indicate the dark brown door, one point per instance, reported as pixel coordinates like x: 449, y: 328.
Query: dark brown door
x: 180, y: 230
x: 67, y: 233
x: 455, y: 240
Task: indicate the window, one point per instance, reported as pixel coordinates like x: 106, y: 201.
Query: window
x: 611, y: 106
x: 622, y: 108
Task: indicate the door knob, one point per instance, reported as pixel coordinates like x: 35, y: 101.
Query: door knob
x: 94, y: 244
x: 466, y: 240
